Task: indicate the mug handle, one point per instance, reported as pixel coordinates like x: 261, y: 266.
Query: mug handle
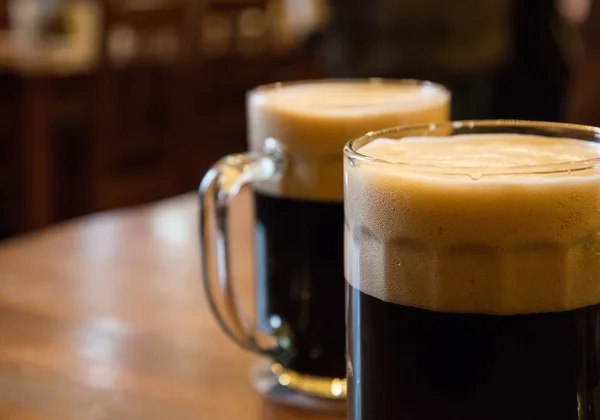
x: 218, y: 187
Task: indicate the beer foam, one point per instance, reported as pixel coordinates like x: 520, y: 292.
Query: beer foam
x: 313, y: 121
x: 481, y: 151
x: 352, y: 99
x: 492, y: 240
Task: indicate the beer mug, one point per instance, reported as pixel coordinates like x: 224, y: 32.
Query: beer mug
x: 472, y: 263
x: 296, y: 134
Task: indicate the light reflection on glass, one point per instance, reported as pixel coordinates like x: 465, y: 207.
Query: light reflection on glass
x: 322, y: 387
x: 284, y: 379
x: 337, y: 387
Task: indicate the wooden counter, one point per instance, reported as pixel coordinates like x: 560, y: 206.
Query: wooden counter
x: 105, y: 318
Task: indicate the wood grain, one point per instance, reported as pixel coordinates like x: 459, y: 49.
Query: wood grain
x: 105, y: 318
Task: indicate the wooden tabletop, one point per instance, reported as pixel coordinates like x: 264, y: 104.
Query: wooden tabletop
x: 105, y: 318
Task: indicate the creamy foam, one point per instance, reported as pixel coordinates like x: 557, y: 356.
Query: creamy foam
x: 495, y: 243
x: 314, y: 120
x: 481, y: 151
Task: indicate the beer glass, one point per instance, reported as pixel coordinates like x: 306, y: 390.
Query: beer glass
x: 296, y: 134
x: 472, y: 264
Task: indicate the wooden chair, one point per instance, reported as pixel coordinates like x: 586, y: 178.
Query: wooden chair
x: 141, y: 109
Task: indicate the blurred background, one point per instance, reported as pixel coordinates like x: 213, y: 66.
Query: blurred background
x: 105, y: 104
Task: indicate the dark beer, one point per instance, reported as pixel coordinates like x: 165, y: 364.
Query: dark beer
x: 300, y: 279
x: 471, y: 366
x: 300, y: 214
x: 472, y: 271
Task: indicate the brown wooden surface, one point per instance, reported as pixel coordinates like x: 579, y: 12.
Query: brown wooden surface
x: 38, y: 70
x: 105, y: 318
x: 37, y: 171
x: 141, y: 107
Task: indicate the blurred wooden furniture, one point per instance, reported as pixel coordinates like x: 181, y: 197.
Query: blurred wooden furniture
x: 139, y: 110
x: 241, y: 47
x: 56, y: 59
x: 3, y: 14
x: 584, y: 106
x: 233, y: 44
x: 142, y: 107
x: 66, y: 87
x: 105, y: 318
x: 10, y: 197
x: 36, y: 73
x: 584, y: 98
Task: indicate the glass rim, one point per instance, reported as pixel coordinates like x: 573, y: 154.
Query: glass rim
x: 573, y: 131
x: 352, y: 80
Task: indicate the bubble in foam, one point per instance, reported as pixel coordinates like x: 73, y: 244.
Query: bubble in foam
x: 475, y: 175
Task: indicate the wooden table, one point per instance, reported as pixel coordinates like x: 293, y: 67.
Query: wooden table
x: 105, y: 318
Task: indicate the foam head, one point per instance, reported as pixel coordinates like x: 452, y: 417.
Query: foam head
x: 499, y: 224
x: 313, y: 121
